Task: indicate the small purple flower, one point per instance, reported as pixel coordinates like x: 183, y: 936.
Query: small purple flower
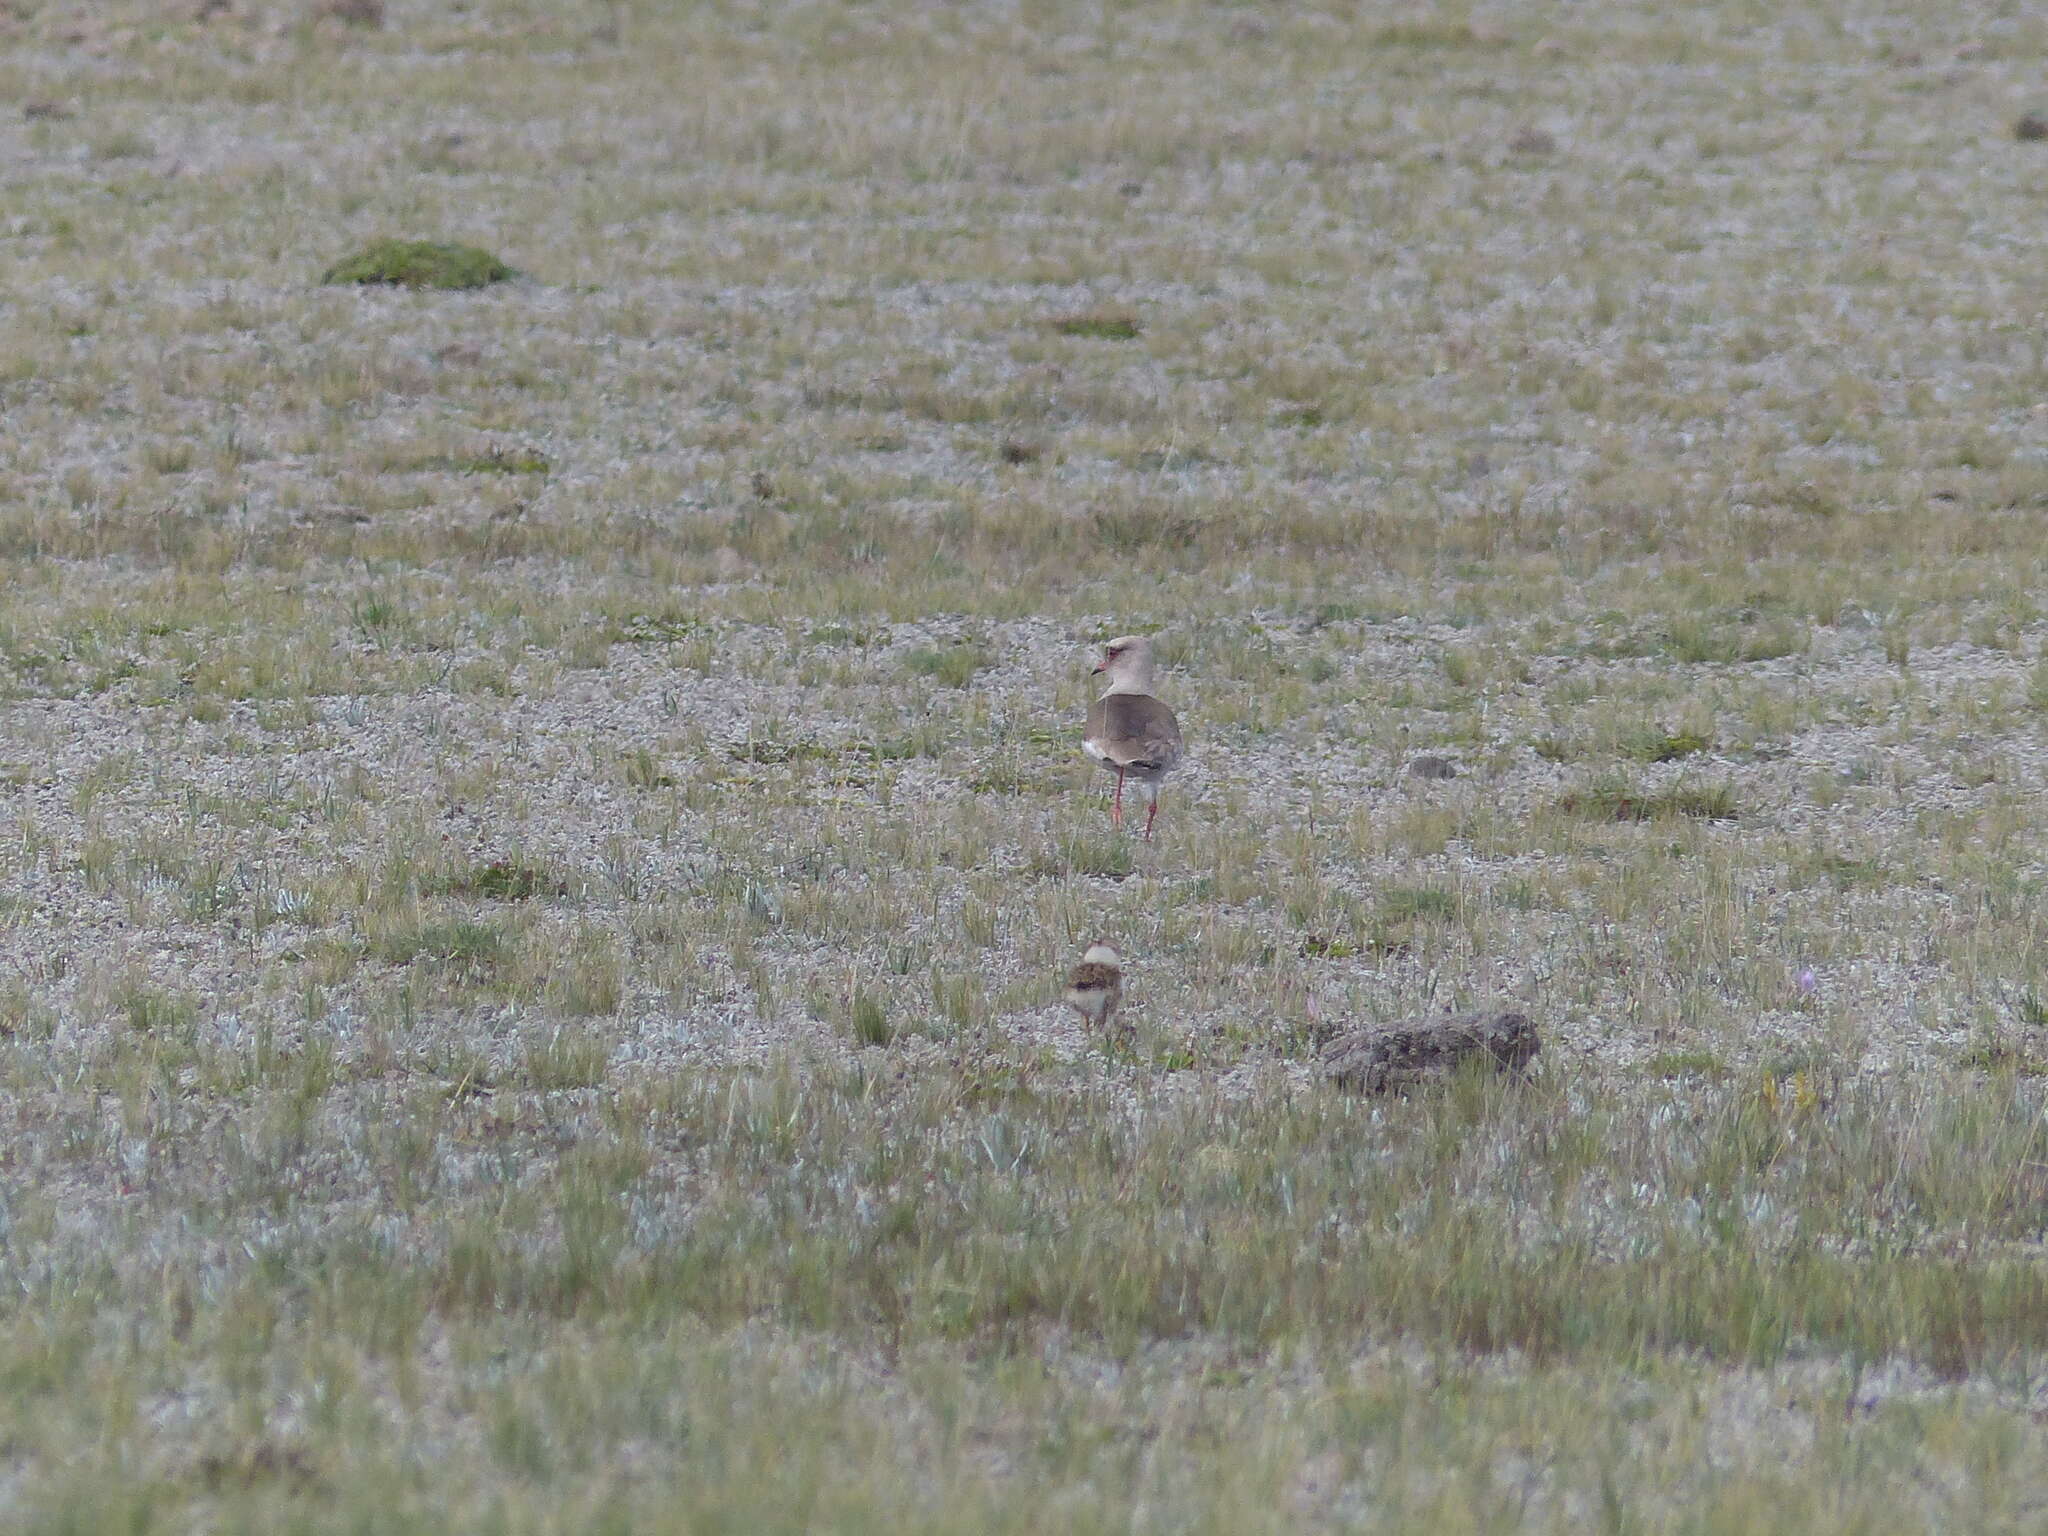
x: 1805, y: 982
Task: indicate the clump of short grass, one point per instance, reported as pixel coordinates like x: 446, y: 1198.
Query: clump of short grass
x: 776, y: 750
x: 1693, y: 640
x: 1104, y: 853
x: 495, y: 460
x: 567, y: 1057
x: 2037, y: 685
x: 151, y: 1009
x: 504, y: 879
x: 1010, y: 776
x: 643, y: 770
x: 1994, y: 1052
x: 1410, y: 903
x: 1322, y: 946
x: 1400, y: 917
x: 868, y: 1019
x: 951, y: 666
x: 420, y: 264
x: 1654, y: 746
x: 1145, y: 525
x: 1613, y: 798
x: 470, y: 950
x: 585, y: 975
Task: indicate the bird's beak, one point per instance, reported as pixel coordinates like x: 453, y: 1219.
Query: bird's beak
x: 1101, y: 666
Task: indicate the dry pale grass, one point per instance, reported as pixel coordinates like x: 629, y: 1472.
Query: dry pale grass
x: 543, y: 826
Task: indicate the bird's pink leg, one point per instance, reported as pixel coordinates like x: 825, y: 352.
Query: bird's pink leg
x: 1148, y: 818
x: 1116, y: 806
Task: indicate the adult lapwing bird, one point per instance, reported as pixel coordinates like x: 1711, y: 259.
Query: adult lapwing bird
x: 1130, y: 732
x: 1097, y: 986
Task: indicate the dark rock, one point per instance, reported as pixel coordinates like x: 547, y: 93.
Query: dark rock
x: 2031, y: 129
x: 1393, y: 1058
x: 1430, y: 766
x: 352, y: 13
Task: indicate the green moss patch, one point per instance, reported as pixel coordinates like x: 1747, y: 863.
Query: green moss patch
x: 1100, y: 325
x: 420, y: 264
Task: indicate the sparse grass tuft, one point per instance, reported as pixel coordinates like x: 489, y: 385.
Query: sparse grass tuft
x: 951, y: 666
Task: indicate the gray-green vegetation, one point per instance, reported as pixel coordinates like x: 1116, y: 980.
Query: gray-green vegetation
x: 541, y: 829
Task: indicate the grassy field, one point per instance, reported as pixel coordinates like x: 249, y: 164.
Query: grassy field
x: 542, y: 827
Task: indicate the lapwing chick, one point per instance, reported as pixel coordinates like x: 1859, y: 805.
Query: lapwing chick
x: 1130, y: 732
x: 1097, y: 986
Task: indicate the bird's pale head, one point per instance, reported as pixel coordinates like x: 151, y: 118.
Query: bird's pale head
x: 1127, y: 660
x: 1100, y: 953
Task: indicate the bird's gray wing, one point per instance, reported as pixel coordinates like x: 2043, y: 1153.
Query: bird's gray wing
x: 1135, y: 730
